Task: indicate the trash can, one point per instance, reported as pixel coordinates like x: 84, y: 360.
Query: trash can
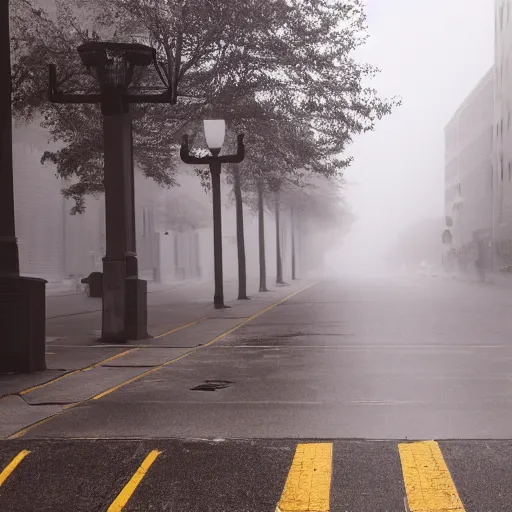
x: 95, y: 282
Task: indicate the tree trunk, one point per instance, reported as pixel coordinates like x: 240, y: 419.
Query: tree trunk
x: 261, y: 232
x: 279, y: 262
x: 240, y: 240
x: 218, y: 299
x: 294, y: 270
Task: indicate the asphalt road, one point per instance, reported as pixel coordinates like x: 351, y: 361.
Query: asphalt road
x: 362, y: 368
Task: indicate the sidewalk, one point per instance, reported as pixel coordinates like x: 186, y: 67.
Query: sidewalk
x: 64, y: 301
x: 66, y: 287
x: 180, y: 319
x: 495, y: 279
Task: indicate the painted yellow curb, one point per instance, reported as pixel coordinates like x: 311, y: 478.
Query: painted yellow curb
x: 308, y: 485
x: 428, y: 483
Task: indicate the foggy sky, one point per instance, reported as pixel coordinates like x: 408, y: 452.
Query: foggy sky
x: 431, y: 54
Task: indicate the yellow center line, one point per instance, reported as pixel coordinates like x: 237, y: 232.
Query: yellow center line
x: 12, y: 466
x: 103, y: 361
x: 428, y: 483
x: 194, y: 349
x: 74, y: 372
x: 23, y: 431
x: 180, y: 328
x: 135, y: 480
x: 308, y: 485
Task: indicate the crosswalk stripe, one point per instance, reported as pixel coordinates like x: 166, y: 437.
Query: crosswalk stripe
x: 135, y: 480
x: 428, y: 483
x: 12, y: 466
x: 308, y: 485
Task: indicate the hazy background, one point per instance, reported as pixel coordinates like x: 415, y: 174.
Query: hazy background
x: 431, y: 54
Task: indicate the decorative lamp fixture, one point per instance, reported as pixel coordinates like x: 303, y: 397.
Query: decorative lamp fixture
x: 113, y: 64
x: 215, y: 132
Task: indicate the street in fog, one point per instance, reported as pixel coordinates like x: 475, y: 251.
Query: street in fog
x: 396, y: 358
x: 416, y: 357
x: 255, y: 256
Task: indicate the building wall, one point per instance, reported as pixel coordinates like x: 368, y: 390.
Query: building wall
x: 39, y: 207
x: 502, y: 131
x: 54, y: 244
x: 469, y: 172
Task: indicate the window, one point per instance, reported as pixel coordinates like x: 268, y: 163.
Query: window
x: 145, y: 222
x: 510, y: 171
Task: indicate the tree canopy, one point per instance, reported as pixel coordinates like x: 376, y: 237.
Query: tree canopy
x: 282, y: 71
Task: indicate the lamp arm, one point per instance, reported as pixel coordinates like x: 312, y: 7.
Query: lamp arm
x: 58, y: 97
x: 164, y: 97
x: 240, y: 153
x: 187, y: 158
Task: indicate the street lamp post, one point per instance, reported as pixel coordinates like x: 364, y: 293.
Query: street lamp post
x: 124, y: 310
x: 22, y: 299
x: 215, y: 132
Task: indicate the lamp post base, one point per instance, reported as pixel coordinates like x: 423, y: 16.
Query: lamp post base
x: 124, y: 315
x: 22, y: 320
x: 136, y: 319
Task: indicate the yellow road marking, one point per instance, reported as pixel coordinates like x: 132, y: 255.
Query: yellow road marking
x: 23, y: 431
x: 180, y: 328
x: 12, y: 466
x: 428, y: 483
x: 74, y: 372
x: 135, y: 480
x: 194, y: 349
x: 112, y: 358
x: 308, y: 485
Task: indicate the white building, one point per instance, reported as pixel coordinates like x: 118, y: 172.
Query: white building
x: 503, y: 133
x: 469, y: 175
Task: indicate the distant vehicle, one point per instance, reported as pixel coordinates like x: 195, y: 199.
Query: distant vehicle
x: 426, y: 269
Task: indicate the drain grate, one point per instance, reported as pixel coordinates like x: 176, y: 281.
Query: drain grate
x: 212, y: 385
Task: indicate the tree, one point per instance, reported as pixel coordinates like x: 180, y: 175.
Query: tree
x: 293, y: 57
x: 283, y: 69
x: 240, y: 235
x: 317, y: 207
x: 188, y: 39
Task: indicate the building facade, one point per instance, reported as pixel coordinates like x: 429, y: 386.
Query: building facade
x: 502, y: 131
x: 469, y: 177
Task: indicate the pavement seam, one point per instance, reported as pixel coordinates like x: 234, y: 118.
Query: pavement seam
x: 73, y: 372
x: 24, y: 430
x: 100, y: 363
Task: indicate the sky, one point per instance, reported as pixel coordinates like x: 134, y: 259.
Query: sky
x: 431, y: 54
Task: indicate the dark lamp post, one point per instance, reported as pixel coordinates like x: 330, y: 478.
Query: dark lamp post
x: 214, y: 133
x: 113, y: 64
x: 22, y: 299
x: 124, y: 313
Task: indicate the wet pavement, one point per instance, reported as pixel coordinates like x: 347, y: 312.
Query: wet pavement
x: 236, y: 475
x: 360, y: 364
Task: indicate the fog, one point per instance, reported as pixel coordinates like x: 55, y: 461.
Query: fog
x: 431, y: 54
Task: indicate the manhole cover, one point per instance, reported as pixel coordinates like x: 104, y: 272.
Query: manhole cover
x: 212, y: 385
